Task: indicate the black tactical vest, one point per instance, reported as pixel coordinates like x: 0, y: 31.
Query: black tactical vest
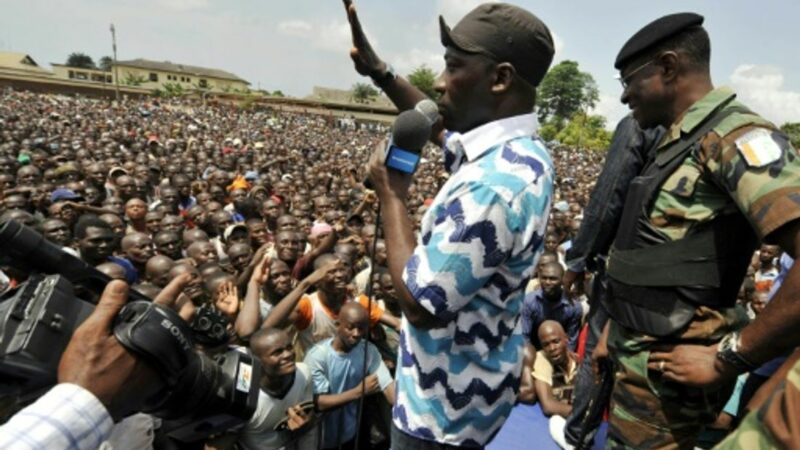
x: 656, y: 284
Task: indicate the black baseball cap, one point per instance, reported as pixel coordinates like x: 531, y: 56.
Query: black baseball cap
x: 505, y: 33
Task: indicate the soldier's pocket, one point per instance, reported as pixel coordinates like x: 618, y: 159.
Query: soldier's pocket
x: 683, y: 181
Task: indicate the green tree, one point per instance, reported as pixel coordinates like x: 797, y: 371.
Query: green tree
x: 792, y: 129
x: 105, y: 63
x: 549, y: 130
x: 423, y: 78
x: 173, y: 90
x: 564, y: 92
x: 363, y: 93
x: 277, y: 93
x: 585, y: 131
x: 82, y: 60
x: 133, y: 80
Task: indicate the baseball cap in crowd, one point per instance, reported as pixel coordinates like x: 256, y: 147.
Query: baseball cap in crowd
x: 231, y: 229
x: 65, y: 169
x: 117, y: 172
x: 62, y: 194
x: 561, y: 206
x: 505, y: 33
x: 320, y: 228
x: 251, y: 175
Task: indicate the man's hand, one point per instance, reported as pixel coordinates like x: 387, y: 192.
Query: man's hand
x: 386, y: 182
x: 692, y: 365
x: 298, y: 418
x: 317, y: 275
x: 172, y: 296
x: 261, y: 272
x: 370, y: 197
x: 263, y: 250
x: 364, y: 57
x: 96, y: 361
x: 370, y: 385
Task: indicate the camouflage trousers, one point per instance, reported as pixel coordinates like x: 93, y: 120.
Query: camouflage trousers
x: 775, y: 424
x: 650, y: 413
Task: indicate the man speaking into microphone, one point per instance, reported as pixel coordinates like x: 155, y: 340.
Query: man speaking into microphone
x: 460, y: 284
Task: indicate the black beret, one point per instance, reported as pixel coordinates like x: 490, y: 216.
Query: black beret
x: 654, y: 33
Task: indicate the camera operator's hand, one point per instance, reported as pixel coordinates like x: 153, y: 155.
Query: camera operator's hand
x: 97, y: 362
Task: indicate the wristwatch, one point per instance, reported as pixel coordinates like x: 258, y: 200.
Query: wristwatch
x: 380, y: 78
x: 728, y: 352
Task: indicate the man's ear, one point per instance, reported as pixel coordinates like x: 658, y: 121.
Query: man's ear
x: 670, y: 64
x: 504, y: 74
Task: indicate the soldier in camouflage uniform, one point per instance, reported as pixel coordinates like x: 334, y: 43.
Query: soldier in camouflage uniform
x: 774, y: 424
x: 722, y: 179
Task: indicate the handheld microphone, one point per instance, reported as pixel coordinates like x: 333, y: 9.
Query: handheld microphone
x: 429, y: 109
x: 410, y: 131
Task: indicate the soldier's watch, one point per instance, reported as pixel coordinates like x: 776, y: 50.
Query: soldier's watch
x: 728, y: 352
x: 380, y: 78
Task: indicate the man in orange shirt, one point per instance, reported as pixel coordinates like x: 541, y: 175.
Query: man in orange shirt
x: 315, y: 315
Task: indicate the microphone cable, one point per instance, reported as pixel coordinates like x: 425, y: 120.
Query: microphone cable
x: 370, y: 296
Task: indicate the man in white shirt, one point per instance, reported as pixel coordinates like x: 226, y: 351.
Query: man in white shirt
x: 285, y: 387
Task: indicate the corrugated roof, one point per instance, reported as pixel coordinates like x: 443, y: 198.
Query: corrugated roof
x: 180, y: 68
x: 21, y: 62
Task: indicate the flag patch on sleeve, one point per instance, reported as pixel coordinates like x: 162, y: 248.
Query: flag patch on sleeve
x: 758, y: 148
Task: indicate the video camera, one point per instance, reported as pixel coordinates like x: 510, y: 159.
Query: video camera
x: 199, y: 396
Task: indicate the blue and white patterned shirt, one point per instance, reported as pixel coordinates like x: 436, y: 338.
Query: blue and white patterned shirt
x: 478, y: 246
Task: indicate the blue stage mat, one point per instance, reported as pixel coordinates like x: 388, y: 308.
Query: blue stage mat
x: 527, y: 429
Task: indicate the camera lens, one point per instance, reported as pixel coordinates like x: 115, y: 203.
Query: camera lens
x: 203, y: 324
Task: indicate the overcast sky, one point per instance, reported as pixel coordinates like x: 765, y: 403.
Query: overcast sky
x: 296, y: 44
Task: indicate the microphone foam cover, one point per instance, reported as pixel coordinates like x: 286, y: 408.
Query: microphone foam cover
x: 411, y: 130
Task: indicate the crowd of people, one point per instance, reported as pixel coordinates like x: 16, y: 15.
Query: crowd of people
x: 265, y: 210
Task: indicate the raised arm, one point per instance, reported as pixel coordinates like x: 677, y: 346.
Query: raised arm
x: 403, y: 94
x: 283, y: 313
x: 248, y: 319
